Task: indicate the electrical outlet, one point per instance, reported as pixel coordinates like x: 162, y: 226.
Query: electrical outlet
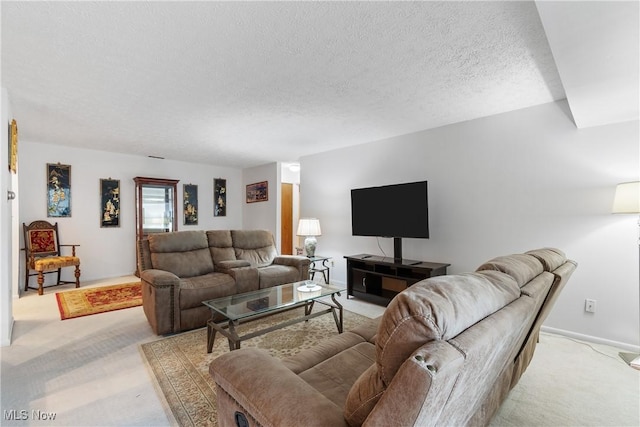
x: 590, y: 305
x: 331, y: 263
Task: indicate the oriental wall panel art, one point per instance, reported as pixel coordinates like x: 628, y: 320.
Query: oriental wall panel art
x: 219, y: 197
x: 110, y: 202
x: 58, y: 190
x: 190, y: 195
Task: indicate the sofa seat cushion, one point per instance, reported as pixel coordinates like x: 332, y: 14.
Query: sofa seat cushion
x: 368, y: 330
x: 194, y: 290
x: 335, y: 376
x: 275, y: 274
x: 325, y: 349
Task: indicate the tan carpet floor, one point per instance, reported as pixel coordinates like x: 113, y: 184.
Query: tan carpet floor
x: 180, y: 363
x: 89, y: 372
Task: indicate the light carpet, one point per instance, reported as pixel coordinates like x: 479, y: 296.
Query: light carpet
x: 573, y: 383
x: 180, y: 363
x: 568, y: 383
x: 84, y: 302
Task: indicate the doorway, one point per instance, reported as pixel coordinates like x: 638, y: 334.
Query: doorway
x: 286, y: 222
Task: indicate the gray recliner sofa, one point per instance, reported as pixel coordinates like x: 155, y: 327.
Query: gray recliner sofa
x: 181, y: 269
x: 446, y: 352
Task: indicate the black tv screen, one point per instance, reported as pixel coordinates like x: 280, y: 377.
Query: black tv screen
x: 400, y: 210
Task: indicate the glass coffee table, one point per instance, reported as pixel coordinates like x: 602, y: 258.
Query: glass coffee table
x: 254, y: 305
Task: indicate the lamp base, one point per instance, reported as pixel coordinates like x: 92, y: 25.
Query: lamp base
x: 631, y: 359
x: 310, y: 245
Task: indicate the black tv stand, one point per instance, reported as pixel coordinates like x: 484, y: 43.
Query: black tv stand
x: 379, y: 279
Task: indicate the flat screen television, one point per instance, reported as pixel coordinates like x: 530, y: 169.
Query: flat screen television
x: 400, y: 210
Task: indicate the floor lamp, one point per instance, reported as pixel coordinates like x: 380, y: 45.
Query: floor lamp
x: 627, y: 201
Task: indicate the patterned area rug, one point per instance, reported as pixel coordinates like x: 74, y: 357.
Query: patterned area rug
x: 180, y: 363
x: 83, y: 302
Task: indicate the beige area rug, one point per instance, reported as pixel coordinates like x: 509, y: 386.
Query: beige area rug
x: 180, y: 363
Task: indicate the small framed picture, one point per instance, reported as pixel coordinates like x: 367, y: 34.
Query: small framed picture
x: 190, y: 202
x: 58, y: 190
x: 219, y: 197
x: 258, y: 192
x: 110, y: 203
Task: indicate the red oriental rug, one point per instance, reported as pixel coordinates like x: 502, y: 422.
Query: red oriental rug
x: 83, y: 302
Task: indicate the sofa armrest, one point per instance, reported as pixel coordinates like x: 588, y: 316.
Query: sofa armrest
x: 161, y: 300
x: 301, y: 263
x: 264, y: 389
x: 292, y: 260
x: 235, y: 263
x: 247, y: 278
x: 159, y: 278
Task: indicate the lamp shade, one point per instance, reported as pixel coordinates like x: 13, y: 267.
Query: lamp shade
x: 309, y: 227
x: 627, y: 198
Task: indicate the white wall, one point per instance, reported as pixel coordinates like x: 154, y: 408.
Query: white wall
x: 500, y: 185
x: 110, y: 252
x: 6, y: 235
x: 263, y: 215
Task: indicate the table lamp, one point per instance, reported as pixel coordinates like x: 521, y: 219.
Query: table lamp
x: 309, y: 228
x: 627, y: 201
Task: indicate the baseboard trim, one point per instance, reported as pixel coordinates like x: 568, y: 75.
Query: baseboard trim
x: 592, y: 339
x: 6, y: 341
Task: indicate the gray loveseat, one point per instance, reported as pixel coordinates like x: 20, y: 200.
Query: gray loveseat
x: 446, y: 352
x: 179, y: 270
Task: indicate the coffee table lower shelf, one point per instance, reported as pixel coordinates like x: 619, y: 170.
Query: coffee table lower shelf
x: 228, y: 327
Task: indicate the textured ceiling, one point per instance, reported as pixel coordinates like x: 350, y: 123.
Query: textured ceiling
x: 247, y: 83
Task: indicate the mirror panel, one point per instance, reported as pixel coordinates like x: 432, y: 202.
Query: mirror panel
x: 157, y: 209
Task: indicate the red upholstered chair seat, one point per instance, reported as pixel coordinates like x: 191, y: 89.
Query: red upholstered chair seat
x: 54, y: 262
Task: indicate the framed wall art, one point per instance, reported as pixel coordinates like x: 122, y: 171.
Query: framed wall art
x: 190, y: 197
x: 219, y: 197
x: 58, y: 190
x: 13, y: 146
x: 258, y: 192
x: 110, y: 202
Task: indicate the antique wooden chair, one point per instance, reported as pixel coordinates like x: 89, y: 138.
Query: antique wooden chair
x: 42, y: 249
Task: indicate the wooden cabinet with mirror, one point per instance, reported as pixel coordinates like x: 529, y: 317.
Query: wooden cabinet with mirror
x: 156, y: 207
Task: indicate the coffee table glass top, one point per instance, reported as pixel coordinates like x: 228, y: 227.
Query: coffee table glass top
x: 239, y: 306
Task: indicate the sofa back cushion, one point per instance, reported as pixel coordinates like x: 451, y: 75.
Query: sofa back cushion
x: 183, y: 253
x: 438, y: 308
x: 426, y: 314
x: 551, y: 258
x: 221, y: 246
x: 255, y: 246
x: 521, y: 267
